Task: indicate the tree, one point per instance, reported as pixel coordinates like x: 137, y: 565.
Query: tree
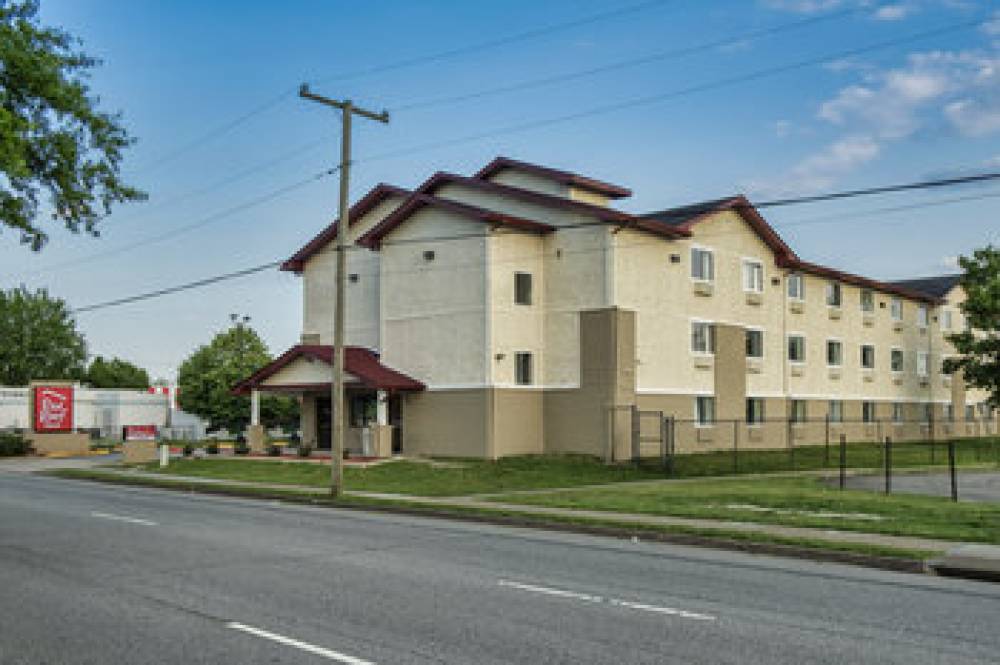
x: 39, y: 339
x: 53, y: 139
x: 206, y: 379
x: 116, y: 373
x: 979, y: 344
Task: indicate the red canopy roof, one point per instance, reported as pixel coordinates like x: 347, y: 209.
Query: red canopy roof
x: 358, y: 361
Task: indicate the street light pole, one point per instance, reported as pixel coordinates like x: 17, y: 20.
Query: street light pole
x: 348, y: 109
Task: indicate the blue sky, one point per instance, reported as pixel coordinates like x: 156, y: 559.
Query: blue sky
x: 181, y: 69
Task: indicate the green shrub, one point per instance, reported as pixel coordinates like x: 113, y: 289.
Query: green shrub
x: 188, y: 449
x: 274, y: 451
x: 13, y: 444
x: 305, y: 451
x: 241, y: 449
x: 212, y: 449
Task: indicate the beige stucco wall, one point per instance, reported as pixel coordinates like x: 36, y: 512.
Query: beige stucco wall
x: 319, y: 293
x: 455, y: 423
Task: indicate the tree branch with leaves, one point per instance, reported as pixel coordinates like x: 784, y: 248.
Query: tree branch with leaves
x: 55, y: 143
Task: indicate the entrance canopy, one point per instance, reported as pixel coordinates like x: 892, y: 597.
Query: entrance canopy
x: 308, y: 367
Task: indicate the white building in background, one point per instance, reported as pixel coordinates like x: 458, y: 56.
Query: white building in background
x: 106, y: 413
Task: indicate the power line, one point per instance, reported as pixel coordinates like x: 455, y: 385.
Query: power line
x: 494, y: 43
x: 673, y: 94
x: 622, y: 64
x: 229, y: 125
x: 177, y: 289
x: 205, y: 221
x: 926, y: 184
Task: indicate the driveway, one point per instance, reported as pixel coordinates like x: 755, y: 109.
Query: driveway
x: 972, y: 485
x: 33, y: 464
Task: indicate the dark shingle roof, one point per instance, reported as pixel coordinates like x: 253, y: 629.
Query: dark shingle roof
x: 935, y: 286
x: 681, y: 214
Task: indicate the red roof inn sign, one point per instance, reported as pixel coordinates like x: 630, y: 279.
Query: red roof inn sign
x: 53, y: 408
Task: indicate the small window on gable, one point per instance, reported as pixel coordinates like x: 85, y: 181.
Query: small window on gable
x: 796, y: 287
x: 922, y: 316
x: 867, y: 301
x: 753, y: 276
x: 702, y: 264
x: 896, y: 309
x: 522, y: 288
x: 833, y: 294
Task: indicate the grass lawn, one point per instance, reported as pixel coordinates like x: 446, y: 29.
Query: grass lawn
x: 788, y: 501
x: 968, y: 452
x: 420, y: 478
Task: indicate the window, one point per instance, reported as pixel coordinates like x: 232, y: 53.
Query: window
x: 702, y: 337
x: 867, y: 301
x: 922, y: 316
x: 796, y: 287
x: 835, y: 411
x: 755, y: 410
x: 897, y: 412
x: 946, y: 319
x: 896, y: 309
x: 868, y: 356
x: 970, y: 412
x: 833, y: 294
x: 796, y: 348
x: 797, y: 411
x: 949, y: 413
x: 896, y: 360
x: 522, y: 288
x: 923, y: 363
x: 834, y: 353
x: 868, y: 412
x: 704, y: 410
x: 753, y: 276
x: 755, y: 343
x: 928, y: 412
x: 702, y: 264
x: 522, y: 368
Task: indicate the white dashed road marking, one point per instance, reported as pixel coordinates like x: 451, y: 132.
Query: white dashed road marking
x: 298, y: 644
x: 122, y: 518
x: 616, y: 602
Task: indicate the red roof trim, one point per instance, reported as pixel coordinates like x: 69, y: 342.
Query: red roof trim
x: 603, y: 213
x: 358, y: 361
x: 375, y: 196
x: 564, y: 177
x: 858, y: 280
x: 418, y: 200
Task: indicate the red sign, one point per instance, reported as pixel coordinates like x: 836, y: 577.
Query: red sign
x: 140, y: 432
x: 53, y: 408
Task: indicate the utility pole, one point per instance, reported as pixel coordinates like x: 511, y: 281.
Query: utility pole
x: 347, y: 109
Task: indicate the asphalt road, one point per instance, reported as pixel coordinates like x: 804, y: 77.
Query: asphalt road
x: 107, y: 575
x: 972, y: 485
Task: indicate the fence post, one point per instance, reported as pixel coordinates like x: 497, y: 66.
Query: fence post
x: 826, y: 441
x: 791, y: 443
x: 843, y: 460
x: 930, y: 426
x: 636, y: 433
x: 736, y: 444
x: 664, y: 433
x: 951, y: 469
x: 888, y: 465
x: 673, y: 443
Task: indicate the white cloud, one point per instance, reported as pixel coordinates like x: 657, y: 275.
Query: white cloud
x: 936, y: 90
x: 782, y: 128
x: 803, y: 6
x: 992, y: 26
x: 950, y: 263
x: 893, y: 12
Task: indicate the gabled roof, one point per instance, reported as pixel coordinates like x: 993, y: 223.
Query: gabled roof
x: 358, y: 361
x: 602, y: 213
x: 933, y: 286
x: 684, y: 218
x: 417, y: 201
x: 375, y: 196
x: 565, y: 177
